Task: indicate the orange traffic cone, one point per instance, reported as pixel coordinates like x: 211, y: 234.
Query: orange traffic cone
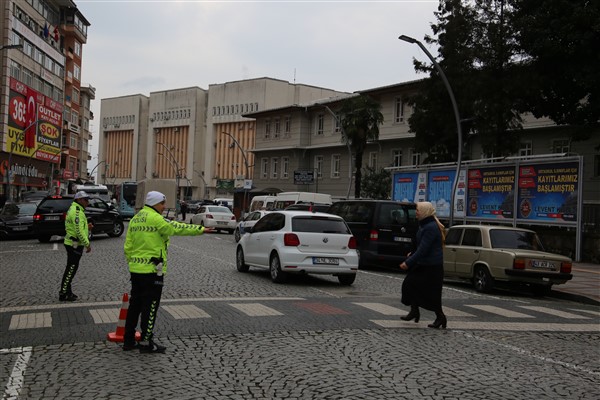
x: 118, y: 335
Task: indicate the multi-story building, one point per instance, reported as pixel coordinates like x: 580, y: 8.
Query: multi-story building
x: 39, y: 98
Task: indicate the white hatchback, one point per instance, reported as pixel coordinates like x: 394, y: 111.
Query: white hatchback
x: 218, y: 217
x: 301, y: 242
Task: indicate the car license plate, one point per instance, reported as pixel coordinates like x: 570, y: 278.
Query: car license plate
x: 542, y: 264
x: 222, y: 222
x: 326, y: 260
x: 19, y: 228
x: 52, y: 218
x: 402, y: 239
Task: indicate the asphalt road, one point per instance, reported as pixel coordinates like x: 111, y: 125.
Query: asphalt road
x: 234, y: 335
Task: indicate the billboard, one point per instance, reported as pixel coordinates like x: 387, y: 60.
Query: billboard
x: 409, y: 186
x: 439, y: 191
x: 491, y: 192
x: 34, y: 124
x: 548, y: 192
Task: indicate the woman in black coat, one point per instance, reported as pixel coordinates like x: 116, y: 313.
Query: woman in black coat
x: 422, y: 286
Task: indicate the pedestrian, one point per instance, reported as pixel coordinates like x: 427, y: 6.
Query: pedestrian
x: 183, y: 207
x: 422, y: 286
x: 76, y: 239
x: 146, y: 253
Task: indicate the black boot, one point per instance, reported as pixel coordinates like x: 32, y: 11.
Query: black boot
x: 413, y: 314
x: 440, y: 320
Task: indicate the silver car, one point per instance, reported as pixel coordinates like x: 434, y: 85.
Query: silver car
x: 218, y: 217
x: 299, y: 242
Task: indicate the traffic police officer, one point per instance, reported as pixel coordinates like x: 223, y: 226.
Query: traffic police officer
x: 146, y: 253
x: 76, y: 238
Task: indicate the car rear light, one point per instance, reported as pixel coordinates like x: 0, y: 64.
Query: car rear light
x: 519, y: 264
x: 233, y: 217
x: 566, y: 267
x: 291, y: 239
x: 373, y: 235
x: 64, y: 216
x: 352, y: 243
x: 209, y: 216
x: 37, y: 217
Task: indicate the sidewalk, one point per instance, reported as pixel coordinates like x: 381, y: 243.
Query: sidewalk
x: 584, y: 287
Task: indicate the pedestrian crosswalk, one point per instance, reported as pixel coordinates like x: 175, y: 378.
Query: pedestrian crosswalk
x: 466, y: 316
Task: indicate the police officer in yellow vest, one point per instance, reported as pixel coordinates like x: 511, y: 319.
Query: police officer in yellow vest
x: 76, y: 238
x: 146, y: 253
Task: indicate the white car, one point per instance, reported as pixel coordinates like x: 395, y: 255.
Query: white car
x: 219, y: 217
x: 248, y: 222
x: 301, y: 242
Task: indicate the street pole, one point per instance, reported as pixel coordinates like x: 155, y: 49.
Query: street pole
x: 96, y: 166
x: 177, y: 169
x: 247, y: 169
x: 408, y: 39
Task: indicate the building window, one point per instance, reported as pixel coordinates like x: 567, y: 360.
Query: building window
x: 75, y: 98
x: 38, y: 56
x: 399, y: 110
x: 336, y: 123
x: 415, y: 157
x: 320, y: 124
x: 267, y: 129
x: 335, y: 166
x: 77, y: 72
x: 285, y: 166
x: 75, y: 117
x: 319, y: 166
x: 264, y: 168
x: 277, y: 127
x: 77, y: 48
x: 560, y: 146
x: 525, y: 149
x: 49, y: 64
x: 287, y: 126
x: 15, y: 70
x: 373, y: 160
x: 274, y: 168
x: 73, y: 141
x: 28, y: 77
x: 27, y: 48
x: 396, y: 158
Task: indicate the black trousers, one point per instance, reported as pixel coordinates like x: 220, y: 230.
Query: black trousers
x: 73, y: 256
x: 146, y: 290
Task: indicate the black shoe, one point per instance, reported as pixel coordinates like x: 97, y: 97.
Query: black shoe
x: 151, y: 347
x: 413, y: 314
x: 67, y: 297
x: 128, y: 347
x: 440, y: 320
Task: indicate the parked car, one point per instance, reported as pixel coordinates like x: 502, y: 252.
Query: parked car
x: 488, y: 255
x: 384, y: 229
x: 320, y: 207
x: 300, y: 242
x: 225, y: 202
x: 247, y: 222
x: 49, y: 218
x: 16, y: 220
x: 219, y: 217
x: 194, y: 205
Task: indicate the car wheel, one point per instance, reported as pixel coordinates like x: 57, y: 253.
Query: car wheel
x: 482, y: 280
x: 117, y: 229
x: 230, y: 231
x: 347, y: 279
x: 541, y: 290
x: 237, y: 236
x: 44, y: 238
x: 240, y: 263
x: 277, y: 275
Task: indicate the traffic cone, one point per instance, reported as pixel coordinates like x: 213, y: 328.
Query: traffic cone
x: 118, y: 335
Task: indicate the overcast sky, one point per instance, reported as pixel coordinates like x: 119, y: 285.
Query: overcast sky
x: 145, y: 46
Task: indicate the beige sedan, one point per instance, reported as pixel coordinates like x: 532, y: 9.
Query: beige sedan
x: 487, y: 255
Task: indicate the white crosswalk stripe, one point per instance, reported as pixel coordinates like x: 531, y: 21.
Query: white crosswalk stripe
x: 499, y: 311
x: 105, y: 315
x: 588, y: 311
x: 382, y: 308
x: 452, y: 312
x: 28, y: 321
x: 557, y: 313
x: 255, y: 309
x: 186, y: 311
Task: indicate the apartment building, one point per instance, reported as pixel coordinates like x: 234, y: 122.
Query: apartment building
x: 42, y: 143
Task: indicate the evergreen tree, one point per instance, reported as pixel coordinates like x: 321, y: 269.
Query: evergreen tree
x: 376, y: 185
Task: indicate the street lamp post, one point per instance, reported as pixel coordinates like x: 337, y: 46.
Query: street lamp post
x: 176, y: 168
x: 245, y: 163
x: 97, y: 165
x: 409, y: 39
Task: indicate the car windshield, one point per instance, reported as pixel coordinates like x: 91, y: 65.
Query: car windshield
x: 55, y: 205
x: 509, y: 239
x: 319, y: 225
x: 19, y: 209
x: 218, y: 209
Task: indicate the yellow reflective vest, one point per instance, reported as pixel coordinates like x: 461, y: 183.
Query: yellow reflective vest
x: 76, y: 226
x: 147, y: 240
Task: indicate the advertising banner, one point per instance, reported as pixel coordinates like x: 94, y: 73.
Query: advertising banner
x: 34, y: 124
x: 409, y: 186
x: 439, y: 191
x: 491, y: 192
x: 548, y: 192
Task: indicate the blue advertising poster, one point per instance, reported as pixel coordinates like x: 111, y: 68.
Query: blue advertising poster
x: 405, y: 186
x: 491, y: 192
x: 439, y: 186
x: 548, y: 192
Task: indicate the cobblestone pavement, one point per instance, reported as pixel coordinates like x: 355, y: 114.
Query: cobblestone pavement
x: 239, y: 336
